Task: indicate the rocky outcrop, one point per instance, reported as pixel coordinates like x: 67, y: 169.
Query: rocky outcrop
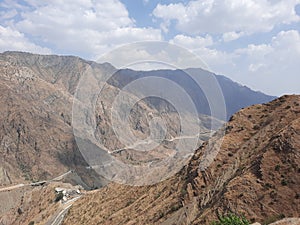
x: 4, y: 178
x: 288, y: 221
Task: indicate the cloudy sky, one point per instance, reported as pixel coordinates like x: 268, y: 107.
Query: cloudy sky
x: 254, y: 42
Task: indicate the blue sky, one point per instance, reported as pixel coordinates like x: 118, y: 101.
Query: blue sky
x: 254, y: 42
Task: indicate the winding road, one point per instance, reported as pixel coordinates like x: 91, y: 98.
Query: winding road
x: 143, y: 142
x: 39, y: 183
x: 59, y: 217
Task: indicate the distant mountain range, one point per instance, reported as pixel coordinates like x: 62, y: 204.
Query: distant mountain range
x: 36, y: 109
x: 235, y: 95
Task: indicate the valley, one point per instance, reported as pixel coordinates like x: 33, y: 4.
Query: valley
x: 167, y: 168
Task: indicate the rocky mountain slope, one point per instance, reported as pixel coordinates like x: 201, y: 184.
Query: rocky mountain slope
x: 36, y: 136
x: 235, y: 95
x: 252, y: 170
x: 37, y: 140
x: 37, y: 92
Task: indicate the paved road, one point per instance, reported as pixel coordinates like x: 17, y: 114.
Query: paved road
x: 35, y: 183
x: 143, y: 142
x: 154, y: 140
x: 58, y: 219
x: 62, y: 176
x: 13, y: 187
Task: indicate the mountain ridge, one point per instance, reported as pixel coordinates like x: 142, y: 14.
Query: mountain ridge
x: 37, y: 140
x: 255, y: 173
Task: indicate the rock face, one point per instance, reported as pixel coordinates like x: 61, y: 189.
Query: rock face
x: 288, y: 221
x: 4, y: 178
x: 36, y: 135
x: 235, y: 95
x: 37, y: 91
x: 255, y: 172
x: 36, y: 138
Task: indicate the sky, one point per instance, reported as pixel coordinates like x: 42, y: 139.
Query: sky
x: 253, y: 42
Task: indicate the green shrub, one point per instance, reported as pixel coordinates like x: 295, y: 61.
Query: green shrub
x: 31, y: 223
x: 59, y: 196
x: 175, y: 207
x: 277, y: 167
x: 231, y: 219
x: 283, y: 182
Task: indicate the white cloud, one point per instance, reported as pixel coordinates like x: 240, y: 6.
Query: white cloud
x: 219, y: 16
x: 279, y: 60
x: 192, y: 42
x: 220, y: 62
x: 8, y: 14
x: 15, y: 41
x: 152, y: 55
x: 203, y: 47
x: 231, y: 36
x: 256, y: 67
x: 145, y: 2
x: 89, y: 28
x: 82, y: 27
x: 272, y: 68
x: 164, y: 26
x: 257, y: 52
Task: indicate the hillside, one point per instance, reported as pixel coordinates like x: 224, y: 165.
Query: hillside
x: 36, y: 134
x: 255, y: 172
x: 194, y: 81
x: 39, y: 142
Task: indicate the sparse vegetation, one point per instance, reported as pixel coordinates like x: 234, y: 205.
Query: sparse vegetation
x: 20, y: 211
x: 231, y: 219
x: 230, y: 154
x: 130, y: 201
x: 157, y: 196
x: 268, y: 185
x: 283, y: 182
x: 59, y: 197
x: 256, y: 127
x: 183, y: 191
x: 160, y: 215
x: 94, y: 187
x: 250, y: 162
x: 273, y: 194
x: 175, y: 207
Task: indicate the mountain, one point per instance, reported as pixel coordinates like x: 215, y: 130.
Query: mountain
x: 252, y: 170
x: 36, y: 134
x: 197, y: 84
x: 40, y: 140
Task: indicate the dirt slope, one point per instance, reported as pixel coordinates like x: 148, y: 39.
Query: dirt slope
x: 256, y: 172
